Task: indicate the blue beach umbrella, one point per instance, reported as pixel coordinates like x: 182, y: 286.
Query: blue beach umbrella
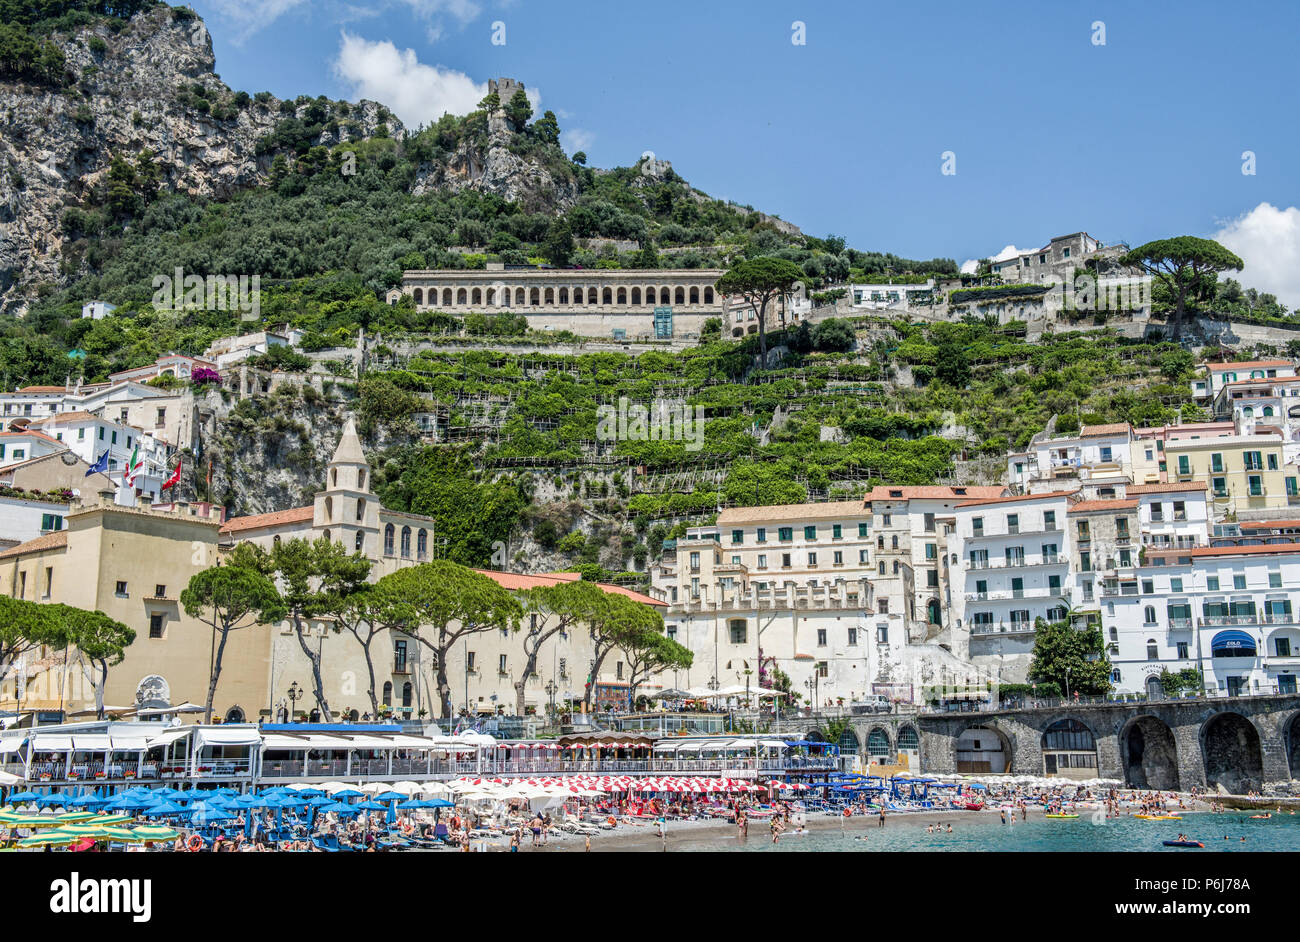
x: 349, y: 793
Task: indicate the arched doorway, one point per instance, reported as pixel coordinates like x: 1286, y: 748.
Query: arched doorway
x: 1293, y: 746
x: 849, y: 744
x: 983, y: 749
x: 1149, y: 753
x: 235, y: 715
x: 878, y: 746
x: 1230, y: 745
x: 909, y: 747
x: 1069, y: 750
x: 1155, y: 690
x: 932, y: 611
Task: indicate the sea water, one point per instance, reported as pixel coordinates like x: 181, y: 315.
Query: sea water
x: 986, y: 832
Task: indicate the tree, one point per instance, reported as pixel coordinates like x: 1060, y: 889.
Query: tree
x: 559, y: 245
x: 1184, y: 264
x: 441, y: 602
x: 25, y: 626
x: 316, y: 580
x: 1073, y: 658
x: 711, y: 329
x: 547, y: 128
x: 234, y: 595
x: 650, y: 651
x: 834, y: 334
x: 580, y: 158
x: 518, y: 110
x: 557, y: 608
x: 101, y: 640
x: 757, y: 281
x: 614, y: 620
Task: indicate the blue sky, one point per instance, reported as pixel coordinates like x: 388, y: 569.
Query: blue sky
x: 1136, y: 139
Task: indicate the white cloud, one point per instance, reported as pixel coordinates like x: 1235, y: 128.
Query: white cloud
x: 576, y: 139
x: 971, y: 265
x: 251, y: 16
x: 433, y: 12
x: 1268, y: 241
x: 416, y: 92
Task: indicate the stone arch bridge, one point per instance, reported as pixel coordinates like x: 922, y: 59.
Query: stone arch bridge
x: 1240, y: 743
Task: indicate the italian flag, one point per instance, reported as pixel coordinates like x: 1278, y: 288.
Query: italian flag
x: 134, y: 467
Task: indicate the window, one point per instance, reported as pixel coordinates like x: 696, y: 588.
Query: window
x: 739, y: 631
x: 785, y: 533
x: 1181, y: 649
x: 838, y: 558
x: 469, y: 661
x: 51, y: 522
x: 1049, y: 519
x: 388, y: 693
x: 931, y: 551
x: 886, y: 520
x: 881, y: 567
x: 389, y: 533
x: 1085, y: 561
x: 155, y: 625
x: 1212, y: 583
x: 1272, y: 461
x: 837, y: 532
x: 785, y: 560
x: 977, y: 525
x: 1219, y: 486
x: 564, y: 662
x: 1275, y: 580
x: 1148, y: 587
x: 501, y: 665
x: 1254, y: 460
x: 823, y: 669
x: 359, y: 543
x: 1291, y: 490
x: 1149, y: 615
x: 929, y: 523
x: 932, y: 578
x: 810, y: 533
x: 1184, y: 464
x: 399, y: 657
x: 1216, y: 463
x: 406, y: 542
x: 821, y: 637
x: 853, y: 637
x: 862, y: 530
x: 1239, y: 580
x: 120, y: 590
x: 1255, y: 485
x: 407, y: 691
x: 1153, y: 650
x: 883, y: 605
x: 618, y: 670
x: 738, y: 536
x: 695, y: 562
x: 1083, y: 530
x: 882, y: 634
x: 762, y: 560
x: 1125, y: 558
x: 1175, y: 585
x: 1013, y: 523
x: 862, y: 557
x: 1282, y: 647
x: 812, y: 559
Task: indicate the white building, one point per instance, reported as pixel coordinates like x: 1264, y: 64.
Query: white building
x: 90, y: 436
x: 19, y: 446
x: 1011, y: 568
x: 97, y: 309
x: 1221, y: 374
x: 1229, y: 611
x: 24, y: 518
x: 230, y: 350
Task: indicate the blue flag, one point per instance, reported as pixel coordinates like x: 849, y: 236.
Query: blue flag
x: 100, y: 465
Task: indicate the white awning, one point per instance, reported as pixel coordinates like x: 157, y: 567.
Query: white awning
x: 51, y: 742
x: 414, y: 742
x: 366, y: 742
x: 690, y: 747
x: 277, y: 741
x: 13, y: 743
x: 91, y: 742
x: 229, y: 736
x: 666, y: 746
x: 128, y: 742
x: 169, y: 736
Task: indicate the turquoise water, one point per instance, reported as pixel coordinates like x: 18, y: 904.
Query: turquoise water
x: 986, y: 833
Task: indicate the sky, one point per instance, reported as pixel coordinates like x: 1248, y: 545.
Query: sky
x: 943, y: 129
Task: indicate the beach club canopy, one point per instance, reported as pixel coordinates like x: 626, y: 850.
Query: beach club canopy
x: 1232, y: 643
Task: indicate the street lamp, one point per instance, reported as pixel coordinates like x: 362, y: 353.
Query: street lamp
x: 1067, y: 683
x: 295, y: 694
x: 550, y: 689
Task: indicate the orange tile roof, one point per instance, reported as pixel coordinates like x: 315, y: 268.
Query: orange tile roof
x: 1269, y: 524
x: 1046, y: 495
x: 1247, y: 364
x: 1260, y: 549
x: 934, y: 492
x: 518, y: 581
x: 43, y: 389
x: 274, y: 519
x: 774, y: 512
x: 34, y: 434
x: 1166, y: 487
x: 1263, y: 381
x: 1088, y: 506
x: 60, y: 417
x: 48, y: 541
x: 1115, y: 428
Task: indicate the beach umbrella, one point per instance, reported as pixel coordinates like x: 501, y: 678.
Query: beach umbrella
x: 73, y: 816
x: 371, y: 806
x: 320, y: 801
x: 24, y: 796
x: 349, y: 793
x: 49, y: 839
x: 165, y: 808
x: 398, y: 796
x: 153, y: 833
x: 108, y: 819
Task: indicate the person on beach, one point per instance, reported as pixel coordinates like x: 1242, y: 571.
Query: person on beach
x: 881, y: 822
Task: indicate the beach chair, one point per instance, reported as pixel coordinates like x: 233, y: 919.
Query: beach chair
x: 320, y: 843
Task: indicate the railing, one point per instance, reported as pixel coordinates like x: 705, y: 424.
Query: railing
x: 222, y: 768
x: 1217, y: 621
x: 1180, y: 624
x: 1002, y: 628
x: 1279, y: 618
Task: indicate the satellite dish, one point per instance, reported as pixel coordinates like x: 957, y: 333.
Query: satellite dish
x: 176, y: 721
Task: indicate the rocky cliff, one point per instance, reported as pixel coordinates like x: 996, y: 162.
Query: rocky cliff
x: 149, y: 85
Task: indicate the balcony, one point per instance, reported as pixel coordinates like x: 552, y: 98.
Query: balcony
x: 1279, y: 618
x: 1013, y: 594
x: 1018, y: 562
x: 401, y: 668
x: 1180, y: 624
x: 1003, y: 628
x: 1220, y: 621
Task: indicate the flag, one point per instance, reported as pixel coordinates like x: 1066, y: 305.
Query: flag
x: 209, y: 472
x: 176, y: 476
x: 100, y: 465
x: 133, y: 467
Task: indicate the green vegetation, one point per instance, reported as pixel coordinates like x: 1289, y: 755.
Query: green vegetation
x: 1072, y: 658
